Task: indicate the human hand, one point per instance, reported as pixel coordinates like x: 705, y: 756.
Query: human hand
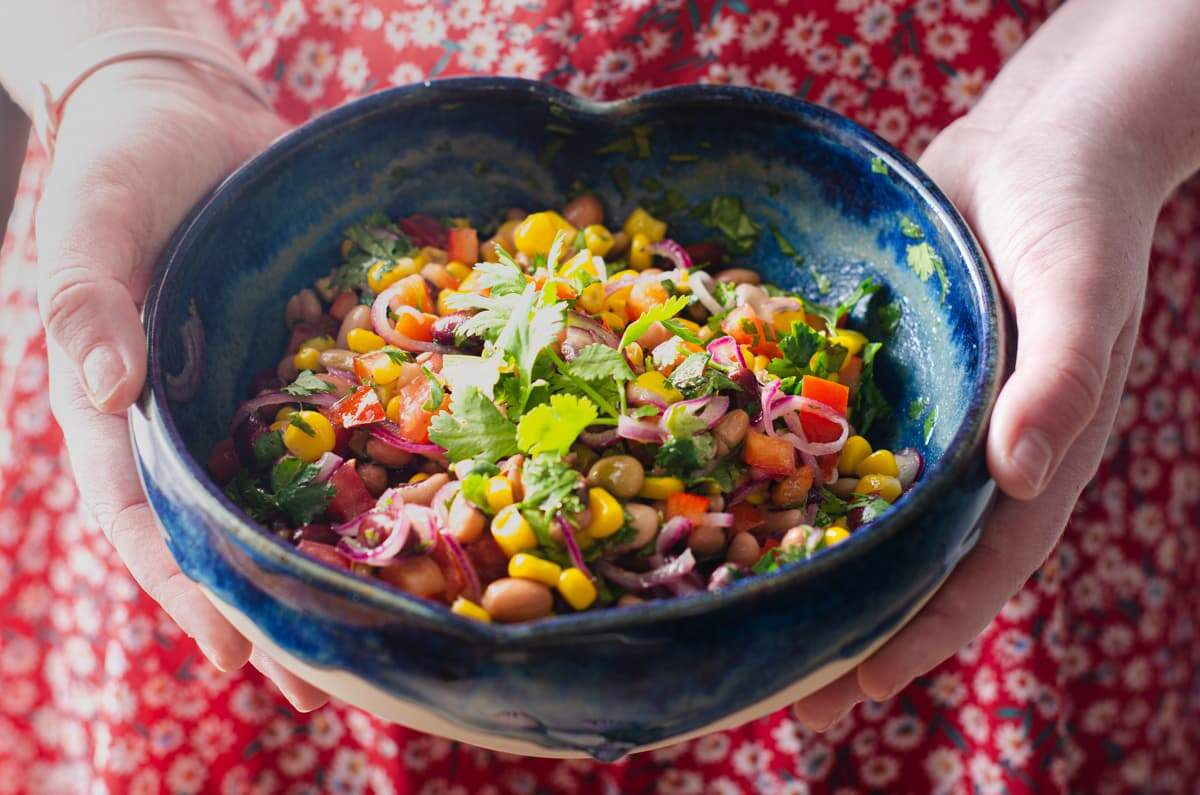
x: 140, y: 143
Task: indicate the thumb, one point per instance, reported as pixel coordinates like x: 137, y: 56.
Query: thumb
x: 88, y: 253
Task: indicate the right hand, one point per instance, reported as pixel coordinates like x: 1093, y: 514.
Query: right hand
x: 139, y: 144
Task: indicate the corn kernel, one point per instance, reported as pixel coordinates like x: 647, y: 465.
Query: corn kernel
x: 760, y: 362
x: 468, y: 609
x: 639, y: 252
x: 420, y: 477
x: 659, y: 488
x: 309, y: 435
x: 835, y: 535
x: 528, y: 567
x: 499, y: 493
x: 597, y: 239
x: 322, y: 343
x: 617, y: 301
x: 783, y: 321
x: 443, y: 302
x: 852, y: 341
x: 383, y: 275
x: 885, y: 486
x: 285, y: 413
x: 581, y: 262
x: 361, y: 340
x: 592, y: 298
x: 636, y: 355
x: 307, y: 359
x: 393, y: 409
x: 576, y: 588
x: 880, y: 462
x: 607, y: 514
x: 384, y: 372
x: 614, y: 321
x: 459, y: 270
x: 385, y: 392
x: 656, y: 382
x: 853, y: 452
x: 511, y: 532
x: 641, y: 222
x: 535, y: 235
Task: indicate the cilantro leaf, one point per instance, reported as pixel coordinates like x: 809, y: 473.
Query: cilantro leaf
x: 655, y: 314
x: 694, y: 378
x: 436, y: 393
x: 307, y: 384
x: 776, y: 557
x: 599, y: 362
x: 554, y: 427
x: 801, y: 345
x: 925, y: 262
x: 887, y: 317
x: 830, y: 509
x: 725, y: 215
x: 502, y: 278
x: 910, y: 229
x: 396, y: 355
x: 267, y: 448
x: 724, y: 476
x: 296, y: 421
x: 680, y: 456
x: 869, y: 402
x: 495, y: 313
x: 250, y: 497
x: 917, y: 407
x: 550, y: 485
x: 683, y: 332
x: 873, y: 506
x: 474, y: 488
x: 820, y: 280
x: 473, y: 428
x: 930, y: 423
x: 532, y: 330
x: 785, y: 246
x: 878, y: 165
x: 831, y: 314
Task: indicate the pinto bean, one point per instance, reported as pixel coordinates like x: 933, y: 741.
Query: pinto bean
x: 732, y: 428
x: 644, y: 520
x: 374, y: 477
x: 337, y: 359
x: 654, y: 336
x: 510, y: 600
x: 419, y: 576
x: 386, y: 454
x: 422, y: 493
x: 357, y: 317
x: 797, y: 537
x: 706, y: 540
x: 583, y: 211
x: 743, y: 550
x: 778, y: 521
x: 303, y: 307
x: 465, y: 521
x: 620, y: 475
x: 739, y: 276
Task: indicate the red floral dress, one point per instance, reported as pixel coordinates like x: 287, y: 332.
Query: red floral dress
x: 1087, y: 682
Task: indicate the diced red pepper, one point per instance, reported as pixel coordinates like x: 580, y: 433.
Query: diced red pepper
x: 360, y: 407
x: 690, y: 506
x: 745, y: 326
x: 771, y: 454
x: 822, y: 390
x: 818, y: 428
x: 350, y: 495
x: 464, y: 246
x: 324, y: 553
x: 745, y: 518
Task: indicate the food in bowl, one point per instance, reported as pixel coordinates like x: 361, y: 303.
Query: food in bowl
x: 592, y: 420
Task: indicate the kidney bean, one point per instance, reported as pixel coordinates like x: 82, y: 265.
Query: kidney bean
x: 337, y: 359
x: 739, y: 276
x: 320, y: 533
x: 583, y: 211
x: 706, y: 540
x: 223, y: 462
x: 422, y: 493
x: 303, y: 307
x: 731, y: 429
x: 465, y: 521
x: 358, y: 317
x: 386, y: 454
x: 342, y: 305
x: 510, y: 600
x: 374, y: 477
x: 419, y: 576
x: 743, y: 550
x: 644, y: 520
x: 324, y: 553
x: 445, y: 332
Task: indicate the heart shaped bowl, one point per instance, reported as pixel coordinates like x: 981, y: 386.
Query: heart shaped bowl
x: 608, y: 682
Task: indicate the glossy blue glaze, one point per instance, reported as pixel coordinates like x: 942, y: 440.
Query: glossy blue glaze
x: 476, y: 146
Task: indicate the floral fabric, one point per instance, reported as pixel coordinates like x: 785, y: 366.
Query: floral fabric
x: 1086, y: 682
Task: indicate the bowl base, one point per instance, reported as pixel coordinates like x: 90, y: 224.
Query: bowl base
x: 363, y: 695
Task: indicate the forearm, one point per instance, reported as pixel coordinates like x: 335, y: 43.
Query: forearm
x: 1129, y: 71
x: 34, y: 32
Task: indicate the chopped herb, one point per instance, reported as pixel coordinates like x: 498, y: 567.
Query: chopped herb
x: 831, y: 314
x: 267, y: 448
x: 887, y: 316
x: 436, y: 393
x: 910, y: 229
x: 820, y: 280
x: 917, y: 408
x: 474, y: 428
x: 878, y: 166
x: 656, y: 314
x: 723, y: 476
x: 550, y: 485
x: 474, y: 488
x: 682, y: 455
x: 396, y: 355
x: 869, y: 402
x: 785, y: 247
x: 925, y: 262
x: 296, y: 421
x: 776, y: 557
x: 830, y: 509
x: 293, y: 496
x: 599, y: 362
x: 683, y: 332
x: 930, y: 422
x: 307, y: 384
x: 873, y: 506
x: 460, y: 372
x: 554, y: 427
x: 725, y: 215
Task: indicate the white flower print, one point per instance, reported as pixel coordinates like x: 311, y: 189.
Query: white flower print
x: 653, y: 43
x: 1007, y: 36
x: 1116, y: 640
x: 804, y: 34
x: 371, y: 18
x: 947, y: 41
x: 289, y: 19
x: 892, y: 124
x: 395, y: 32
x: 850, y: 5
x: 306, y: 85
x: 903, y: 732
x: 559, y: 30
x: 601, y: 18
x: 944, y: 767
x: 712, y: 38
x: 406, y: 73
x: 1013, y: 645
x: 855, y: 61
x: 325, y: 728
x: 787, y: 739
x: 879, y: 771
x: 614, y: 66
x: 930, y: 11
x: 263, y: 54
x: 523, y: 63
x: 585, y: 85
x: 1020, y: 606
x: 865, y: 743
x: 349, y: 772
x: 751, y: 758
x: 479, y: 49
x: 1012, y: 744
x: 674, y: 781
x: 823, y: 59
x: 793, y: 787
x: 1021, y: 684
x: 711, y: 749
x: 464, y: 14
x: 117, y: 700
x: 759, y: 31
x: 722, y: 786
x: 985, y: 685
x: 212, y: 737
x: 1100, y: 716
x: 876, y: 22
x: 186, y: 775
x: 726, y: 75
x: 354, y: 71
x: 971, y: 9
x: 1137, y: 674
x: 986, y: 775
x: 427, y: 27
x: 634, y: 5
x: 776, y: 78
x: 520, y: 34
x: 337, y: 14
x: 1075, y: 662
x: 1046, y: 701
x: 842, y: 96
x: 296, y: 759
x: 905, y: 74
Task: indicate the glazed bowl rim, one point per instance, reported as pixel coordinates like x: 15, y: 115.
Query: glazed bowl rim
x: 218, y: 508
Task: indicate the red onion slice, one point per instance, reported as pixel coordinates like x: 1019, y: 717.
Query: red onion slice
x: 740, y: 493
x: 389, y: 433
x: 637, y: 431
x: 801, y: 442
x: 471, y: 587
x: 385, y: 329
x: 572, y: 545
x: 640, y: 396
x: 399, y: 526
x: 278, y: 398
x: 674, y: 531
x: 673, y: 251
x: 326, y: 464
x: 669, y: 572
x: 701, y: 284
x: 709, y: 410
x: 911, y: 464
x: 599, y: 440
x: 724, y: 576
x: 725, y: 351
x: 443, y: 499
x: 767, y: 415
x: 425, y: 523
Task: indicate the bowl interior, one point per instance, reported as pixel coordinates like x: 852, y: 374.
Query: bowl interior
x: 835, y: 205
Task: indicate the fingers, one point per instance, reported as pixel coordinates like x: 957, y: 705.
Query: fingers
x: 88, y: 254
x: 825, y: 707
x: 99, y: 443
x: 300, y: 694
x: 1015, y: 542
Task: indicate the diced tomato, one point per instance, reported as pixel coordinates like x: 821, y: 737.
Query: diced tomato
x: 424, y: 230
x: 350, y: 496
x: 771, y: 454
x: 851, y: 373
x: 451, y: 572
x: 412, y: 291
x: 689, y: 506
x: 223, y: 462
x: 324, y: 553
x: 464, y: 246
x: 643, y: 297
x: 828, y: 466
x: 745, y: 518
x: 745, y: 326
x: 413, y: 419
x: 360, y: 407
x: 831, y: 393
x: 415, y: 325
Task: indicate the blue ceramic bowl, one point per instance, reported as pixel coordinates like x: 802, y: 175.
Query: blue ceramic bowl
x: 608, y: 682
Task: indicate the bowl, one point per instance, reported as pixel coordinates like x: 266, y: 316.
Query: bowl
x: 610, y: 682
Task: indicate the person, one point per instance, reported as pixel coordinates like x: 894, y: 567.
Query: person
x: 1049, y: 662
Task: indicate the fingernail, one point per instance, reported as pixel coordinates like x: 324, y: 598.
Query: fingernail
x: 103, y: 372
x: 1032, y: 455
x: 212, y: 656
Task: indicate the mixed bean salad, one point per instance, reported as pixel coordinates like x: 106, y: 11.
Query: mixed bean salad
x: 560, y: 417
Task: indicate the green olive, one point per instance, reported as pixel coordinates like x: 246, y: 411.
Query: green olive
x: 620, y: 475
